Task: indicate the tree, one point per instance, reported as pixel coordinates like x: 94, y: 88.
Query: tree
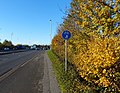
x: 1, y: 46
x: 8, y: 44
x: 94, y: 48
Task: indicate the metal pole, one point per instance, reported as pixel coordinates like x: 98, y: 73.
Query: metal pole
x: 65, y: 55
x: 51, y: 34
x: 0, y: 39
x: 11, y: 36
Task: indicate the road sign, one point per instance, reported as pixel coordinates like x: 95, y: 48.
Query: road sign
x: 66, y: 34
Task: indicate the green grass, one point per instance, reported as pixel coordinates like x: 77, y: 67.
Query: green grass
x: 58, y: 69
x: 69, y: 81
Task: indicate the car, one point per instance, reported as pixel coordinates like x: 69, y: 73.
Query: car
x: 6, y: 49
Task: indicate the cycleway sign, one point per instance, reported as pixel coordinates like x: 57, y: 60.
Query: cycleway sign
x: 66, y: 35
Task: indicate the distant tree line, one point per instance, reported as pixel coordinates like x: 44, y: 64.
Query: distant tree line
x: 6, y: 44
x: 9, y: 45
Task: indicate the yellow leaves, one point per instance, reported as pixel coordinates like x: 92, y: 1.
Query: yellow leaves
x: 109, y: 20
x: 99, y: 54
x: 90, y: 50
x: 102, y: 21
x: 110, y: 74
x: 104, y: 71
x: 104, y: 81
x: 97, y: 81
x: 78, y: 22
x: 116, y: 9
x: 95, y: 71
x: 101, y: 12
x: 83, y: 24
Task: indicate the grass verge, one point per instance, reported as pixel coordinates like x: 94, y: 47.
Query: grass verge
x: 69, y: 82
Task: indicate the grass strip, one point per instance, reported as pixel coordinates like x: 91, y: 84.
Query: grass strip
x: 69, y: 81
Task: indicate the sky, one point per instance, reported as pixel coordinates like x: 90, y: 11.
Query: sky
x: 28, y: 21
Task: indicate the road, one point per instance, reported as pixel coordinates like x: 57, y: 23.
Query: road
x: 12, y: 51
x: 27, y: 72
x: 9, y: 61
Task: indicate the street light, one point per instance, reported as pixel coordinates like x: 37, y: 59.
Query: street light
x: 51, y: 34
x: 11, y: 36
x: 0, y: 38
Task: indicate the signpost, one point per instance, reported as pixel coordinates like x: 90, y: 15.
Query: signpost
x: 66, y: 35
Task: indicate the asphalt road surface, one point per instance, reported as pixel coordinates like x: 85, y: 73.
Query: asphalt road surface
x: 27, y: 72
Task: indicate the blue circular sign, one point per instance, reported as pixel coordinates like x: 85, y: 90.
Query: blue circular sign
x: 66, y: 35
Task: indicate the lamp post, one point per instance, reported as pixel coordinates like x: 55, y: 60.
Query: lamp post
x: 0, y: 38
x: 51, y: 34
x: 11, y: 36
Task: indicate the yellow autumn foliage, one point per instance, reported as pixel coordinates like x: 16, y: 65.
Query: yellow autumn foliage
x: 94, y: 48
